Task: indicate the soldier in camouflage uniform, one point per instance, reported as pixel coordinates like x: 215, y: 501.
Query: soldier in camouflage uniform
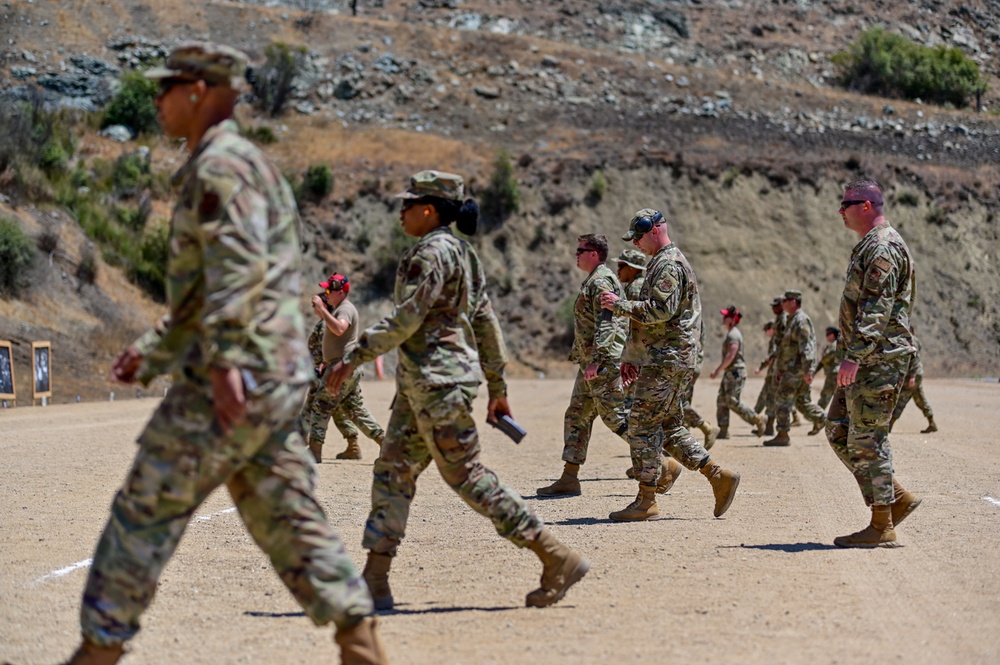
x: 913, y: 387
x: 766, y: 400
x: 448, y: 339
x: 631, y: 273
x: 338, y: 334
x: 598, y: 342
x: 691, y: 417
x: 666, y: 322
x: 794, y: 365
x: 828, y: 363
x: 734, y: 377
x: 233, y: 342
x: 875, y: 346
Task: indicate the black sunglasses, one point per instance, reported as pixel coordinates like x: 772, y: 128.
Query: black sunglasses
x: 644, y: 225
x: 584, y: 250
x: 844, y: 205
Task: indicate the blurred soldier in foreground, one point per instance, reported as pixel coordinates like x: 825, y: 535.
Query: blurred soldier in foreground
x: 449, y: 340
x: 666, y: 321
x: 233, y: 341
x: 875, y: 346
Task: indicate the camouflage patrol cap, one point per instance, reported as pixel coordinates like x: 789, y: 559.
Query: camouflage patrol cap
x: 434, y: 183
x: 632, y: 257
x: 204, y: 61
x: 650, y: 216
x: 793, y: 294
x: 777, y: 301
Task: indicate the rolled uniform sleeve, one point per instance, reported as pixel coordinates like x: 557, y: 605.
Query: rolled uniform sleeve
x: 608, y: 333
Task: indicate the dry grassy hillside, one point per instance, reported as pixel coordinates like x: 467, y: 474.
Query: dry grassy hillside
x: 724, y: 115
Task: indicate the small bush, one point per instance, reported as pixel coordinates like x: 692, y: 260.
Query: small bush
x: 598, y: 188
x: 149, y: 271
x: 86, y: 269
x: 133, y: 105
x: 937, y: 217
x: 502, y: 196
x: 272, y: 82
x: 907, y: 199
x: 48, y: 242
x: 318, y: 182
x: 130, y: 173
x: 261, y: 134
x: 16, y: 254
x: 884, y: 63
x: 53, y: 157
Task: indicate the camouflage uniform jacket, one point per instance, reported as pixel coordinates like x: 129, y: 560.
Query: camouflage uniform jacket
x: 443, y: 321
x: 666, y: 317
x: 233, y: 280
x: 878, y: 297
x: 633, y: 349
x: 797, y: 351
x: 597, y: 340
x: 780, y: 323
x: 828, y: 363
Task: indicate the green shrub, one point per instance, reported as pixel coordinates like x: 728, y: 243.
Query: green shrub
x: 884, y: 63
x: 86, y: 269
x: 272, y: 82
x: 133, y: 105
x: 260, y: 134
x: 53, y: 157
x: 149, y: 270
x: 598, y: 188
x: 937, y: 216
x: 130, y: 173
x: 907, y: 199
x: 502, y: 196
x: 318, y: 182
x: 16, y: 255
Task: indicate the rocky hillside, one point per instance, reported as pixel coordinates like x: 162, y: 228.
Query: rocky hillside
x: 727, y: 115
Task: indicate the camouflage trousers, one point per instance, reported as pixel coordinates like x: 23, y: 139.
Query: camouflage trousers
x: 691, y: 417
x: 792, y: 392
x: 344, y: 407
x: 602, y: 396
x: 858, y: 427
x: 436, y: 424
x: 829, y: 386
x: 765, y: 400
x: 728, y: 400
x: 918, y: 396
x: 656, y: 423
x: 270, y: 476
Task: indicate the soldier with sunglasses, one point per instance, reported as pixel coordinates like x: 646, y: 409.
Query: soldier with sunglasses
x: 666, y: 321
x: 233, y: 341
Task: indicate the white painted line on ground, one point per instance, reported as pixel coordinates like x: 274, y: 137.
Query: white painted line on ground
x: 64, y: 571
x: 86, y: 562
x: 991, y: 500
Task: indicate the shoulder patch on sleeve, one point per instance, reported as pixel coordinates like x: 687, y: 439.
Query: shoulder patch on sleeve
x: 882, y: 264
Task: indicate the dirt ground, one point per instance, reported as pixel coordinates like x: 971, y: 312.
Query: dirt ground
x: 762, y: 585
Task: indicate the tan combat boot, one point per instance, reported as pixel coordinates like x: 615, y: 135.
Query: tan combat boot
x: 724, y: 484
x: 567, y: 485
x: 723, y: 434
x: 669, y: 473
x: 759, y: 425
x: 360, y: 644
x: 92, y: 654
x: 317, y: 451
x: 903, y: 503
x: 817, y: 428
x: 353, y: 450
x: 711, y: 433
x: 931, y: 427
x: 561, y: 569
x: 630, y: 473
x: 780, y: 440
x: 376, y: 576
x: 769, y: 429
x: 642, y: 508
x: 877, y: 534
